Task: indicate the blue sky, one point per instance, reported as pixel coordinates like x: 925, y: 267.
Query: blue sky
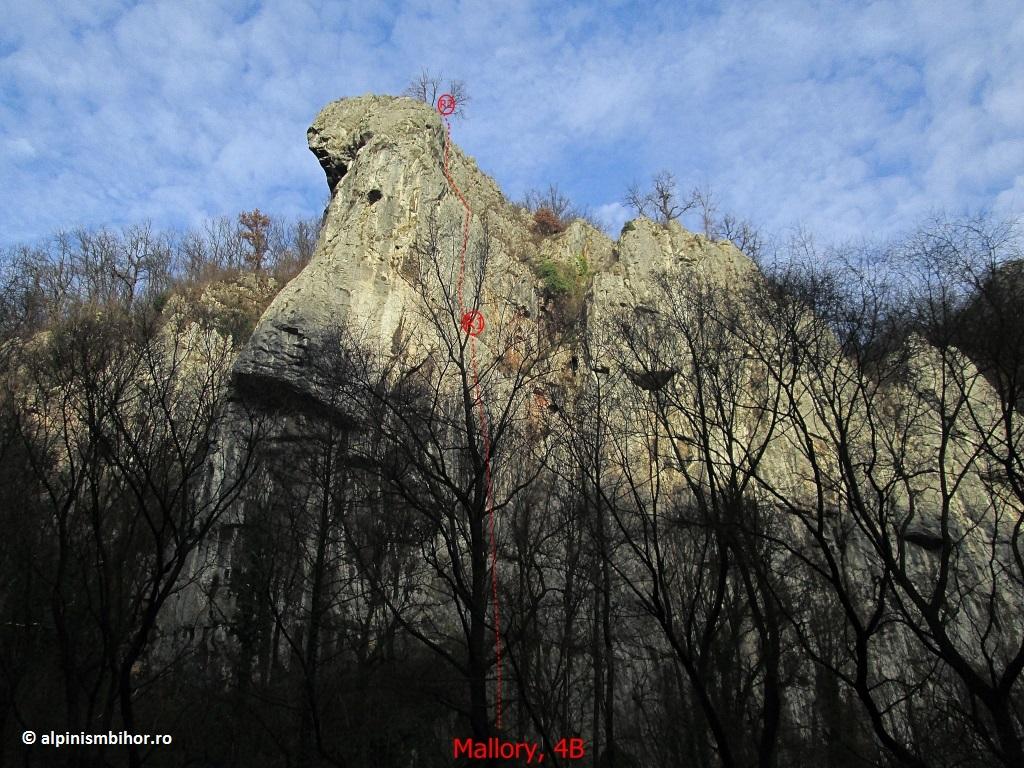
x: 851, y: 120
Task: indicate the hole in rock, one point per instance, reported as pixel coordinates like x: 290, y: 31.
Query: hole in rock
x: 374, y: 195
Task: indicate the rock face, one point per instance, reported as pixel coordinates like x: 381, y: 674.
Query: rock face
x: 384, y: 161
x: 389, y: 256
x: 390, y: 242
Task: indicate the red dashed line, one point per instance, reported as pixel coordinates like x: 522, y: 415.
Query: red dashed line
x: 469, y: 212
x: 472, y: 322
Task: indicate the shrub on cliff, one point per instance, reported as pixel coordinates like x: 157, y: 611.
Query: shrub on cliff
x: 547, y: 222
x: 558, y: 278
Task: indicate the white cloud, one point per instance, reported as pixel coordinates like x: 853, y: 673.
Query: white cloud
x: 19, y: 148
x: 852, y: 119
x: 612, y: 216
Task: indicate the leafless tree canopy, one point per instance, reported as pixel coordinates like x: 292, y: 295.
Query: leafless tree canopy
x: 428, y: 88
x: 553, y: 209
x: 663, y: 203
x: 140, y: 266
x: 776, y: 522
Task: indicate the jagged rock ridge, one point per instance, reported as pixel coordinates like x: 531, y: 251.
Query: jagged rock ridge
x: 383, y: 158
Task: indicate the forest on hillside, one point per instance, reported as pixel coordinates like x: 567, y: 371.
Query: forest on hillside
x: 319, y: 593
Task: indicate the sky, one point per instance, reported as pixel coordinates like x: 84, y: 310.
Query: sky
x: 849, y: 120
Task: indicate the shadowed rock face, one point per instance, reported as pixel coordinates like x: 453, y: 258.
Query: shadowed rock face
x: 384, y: 162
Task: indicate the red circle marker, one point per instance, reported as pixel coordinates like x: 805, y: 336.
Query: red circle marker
x: 446, y: 104
x: 472, y: 322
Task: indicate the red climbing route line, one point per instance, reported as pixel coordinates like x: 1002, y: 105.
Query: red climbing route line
x: 472, y: 322
x: 469, y: 211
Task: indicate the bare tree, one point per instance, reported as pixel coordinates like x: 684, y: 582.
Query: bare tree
x: 551, y: 199
x: 743, y: 235
x: 661, y: 202
x: 703, y: 199
x: 446, y: 419
x: 553, y: 210
x: 255, y: 227
x: 912, y: 516
x: 428, y: 88
x: 117, y: 421
x: 689, y: 446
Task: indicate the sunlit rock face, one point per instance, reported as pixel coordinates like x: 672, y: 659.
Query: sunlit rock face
x: 384, y: 159
x: 388, y: 258
x: 388, y: 263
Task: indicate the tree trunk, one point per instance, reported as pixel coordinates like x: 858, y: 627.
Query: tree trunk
x: 478, y: 648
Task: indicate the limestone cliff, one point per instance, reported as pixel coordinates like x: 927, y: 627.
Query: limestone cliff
x: 718, y: 392
x: 389, y: 244
x: 383, y: 158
